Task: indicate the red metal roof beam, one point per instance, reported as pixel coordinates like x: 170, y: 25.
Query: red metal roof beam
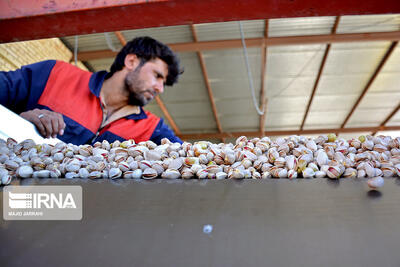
x: 43, y: 18
x: 207, y: 81
x: 321, y: 69
x: 263, y: 99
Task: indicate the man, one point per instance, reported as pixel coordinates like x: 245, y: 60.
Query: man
x: 80, y: 107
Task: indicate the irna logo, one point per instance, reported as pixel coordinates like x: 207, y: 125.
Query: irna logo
x: 41, y: 200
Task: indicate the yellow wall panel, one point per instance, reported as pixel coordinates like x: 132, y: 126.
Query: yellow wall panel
x: 15, y: 55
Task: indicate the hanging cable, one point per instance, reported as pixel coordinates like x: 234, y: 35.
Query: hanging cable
x: 249, y: 71
x: 109, y: 42
x: 76, y: 50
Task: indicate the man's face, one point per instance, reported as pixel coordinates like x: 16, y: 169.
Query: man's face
x: 146, y: 81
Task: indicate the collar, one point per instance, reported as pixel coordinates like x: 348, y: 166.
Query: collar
x: 96, y: 82
x: 141, y: 115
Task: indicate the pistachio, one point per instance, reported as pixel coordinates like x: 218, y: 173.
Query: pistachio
x: 83, y: 173
x: 308, y: 173
x: 187, y: 173
x: 136, y: 174
x: 176, y: 164
x: 171, y: 174
x: 11, y: 165
x: 350, y: 173
x: 320, y: 174
x: 149, y: 173
x: 361, y: 173
x: 157, y: 165
x: 375, y: 182
x: 95, y: 175
x: 292, y: 174
x: 266, y: 175
x: 334, y: 172
x: 144, y: 164
x: 73, y: 166
x: 202, y: 173
x: 114, y: 173
x: 3, y: 173
x: 291, y: 162
x: 41, y: 174
x: 70, y: 175
x: 236, y: 174
x: 123, y: 166
x: 25, y: 171
x: 221, y: 175
x: 280, y: 162
x: 152, y: 155
x: 331, y: 137
x: 6, y: 179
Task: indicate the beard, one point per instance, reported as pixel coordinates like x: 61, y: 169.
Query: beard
x: 134, y: 86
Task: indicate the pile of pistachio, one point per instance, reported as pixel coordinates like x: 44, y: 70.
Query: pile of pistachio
x: 257, y: 158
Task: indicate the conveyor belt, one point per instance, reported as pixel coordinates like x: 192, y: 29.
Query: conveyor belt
x: 304, y: 222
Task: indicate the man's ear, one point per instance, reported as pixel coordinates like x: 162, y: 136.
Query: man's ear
x: 131, y: 61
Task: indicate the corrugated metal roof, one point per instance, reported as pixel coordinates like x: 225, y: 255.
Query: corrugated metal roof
x: 290, y: 77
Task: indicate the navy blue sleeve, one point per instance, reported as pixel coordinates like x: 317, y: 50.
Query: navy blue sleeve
x: 21, y: 89
x: 163, y: 131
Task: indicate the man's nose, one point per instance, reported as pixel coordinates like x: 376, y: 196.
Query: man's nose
x: 159, y: 87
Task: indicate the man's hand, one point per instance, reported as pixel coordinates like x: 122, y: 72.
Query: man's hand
x: 49, y: 123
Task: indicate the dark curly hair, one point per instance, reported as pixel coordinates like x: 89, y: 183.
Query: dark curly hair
x: 147, y: 48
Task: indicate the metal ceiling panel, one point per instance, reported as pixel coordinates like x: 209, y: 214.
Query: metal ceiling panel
x: 190, y: 86
x: 230, y: 64
x: 288, y: 87
x: 230, y: 30
x: 377, y: 100
x: 240, y: 122
x: 374, y: 108
x: 294, y: 61
x: 197, y: 120
x: 283, y: 121
x: 354, y: 58
x: 233, y: 89
x: 101, y: 64
x: 325, y: 119
x: 300, y: 26
x: 333, y: 102
x: 171, y: 34
x: 369, y: 23
x: 369, y: 117
x: 351, y: 84
x: 197, y: 124
x: 98, y: 41
x: 187, y: 109
x: 395, y: 121
x: 291, y: 72
x: 236, y: 107
x: 91, y: 42
x: 289, y: 104
x: 393, y: 63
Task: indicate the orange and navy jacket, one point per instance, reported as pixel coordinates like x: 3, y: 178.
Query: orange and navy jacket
x: 64, y: 88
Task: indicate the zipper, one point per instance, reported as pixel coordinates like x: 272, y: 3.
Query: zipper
x: 101, y: 123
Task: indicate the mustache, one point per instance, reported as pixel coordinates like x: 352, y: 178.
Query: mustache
x: 152, y: 92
